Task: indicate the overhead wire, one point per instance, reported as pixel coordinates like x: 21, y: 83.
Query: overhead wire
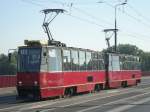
x: 129, y: 33
x: 135, y: 39
x: 86, y: 20
x: 133, y: 35
x: 136, y: 35
x: 106, y: 21
x: 138, y: 13
x: 131, y: 16
x: 32, y: 2
x: 73, y: 16
x: 81, y: 11
x: 92, y: 16
x: 71, y: 5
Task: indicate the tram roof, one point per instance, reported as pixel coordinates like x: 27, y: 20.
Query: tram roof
x: 37, y: 44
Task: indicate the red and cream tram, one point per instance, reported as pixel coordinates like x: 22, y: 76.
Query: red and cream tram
x: 47, y: 71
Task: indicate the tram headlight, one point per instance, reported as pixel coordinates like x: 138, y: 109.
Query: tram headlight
x: 35, y: 83
x: 20, y: 83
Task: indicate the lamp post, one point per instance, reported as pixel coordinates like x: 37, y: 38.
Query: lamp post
x: 116, y: 24
x: 115, y: 29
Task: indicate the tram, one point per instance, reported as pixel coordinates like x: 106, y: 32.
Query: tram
x: 48, y: 71
x: 53, y: 69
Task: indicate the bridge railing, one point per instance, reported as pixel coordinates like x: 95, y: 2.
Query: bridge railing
x: 7, y: 81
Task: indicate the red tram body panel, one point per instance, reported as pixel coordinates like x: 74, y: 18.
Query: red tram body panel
x: 54, y: 84
x: 118, y: 77
x: 122, y: 70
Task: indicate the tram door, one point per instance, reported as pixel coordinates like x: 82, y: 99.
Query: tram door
x: 44, y: 60
x: 114, y: 69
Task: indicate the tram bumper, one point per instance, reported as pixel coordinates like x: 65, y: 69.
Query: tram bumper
x: 28, y: 91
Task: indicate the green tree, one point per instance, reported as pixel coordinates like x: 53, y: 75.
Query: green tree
x: 129, y: 49
x: 126, y: 49
x: 6, y: 67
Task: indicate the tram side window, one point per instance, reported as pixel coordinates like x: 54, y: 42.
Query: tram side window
x: 66, y: 60
x: 82, y: 61
x: 100, y: 62
x: 129, y: 63
x: 121, y: 59
x: 55, y: 60
x: 89, y: 60
x: 75, y: 60
x: 95, y: 61
x: 137, y: 65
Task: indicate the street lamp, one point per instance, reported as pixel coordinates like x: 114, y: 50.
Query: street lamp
x: 116, y: 23
x: 115, y: 29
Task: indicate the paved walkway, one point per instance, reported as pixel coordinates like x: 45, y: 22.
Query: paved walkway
x: 8, y: 90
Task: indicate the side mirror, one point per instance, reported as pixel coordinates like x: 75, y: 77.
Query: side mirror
x: 10, y: 54
x: 9, y: 57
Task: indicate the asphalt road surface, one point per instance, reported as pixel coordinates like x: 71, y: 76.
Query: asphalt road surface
x: 131, y: 99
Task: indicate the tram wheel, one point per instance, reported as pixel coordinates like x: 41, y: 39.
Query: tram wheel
x: 98, y: 87
x: 124, y: 84
x: 70, y: 91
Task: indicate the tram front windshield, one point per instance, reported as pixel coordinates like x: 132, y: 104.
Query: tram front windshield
x: 29, y: 59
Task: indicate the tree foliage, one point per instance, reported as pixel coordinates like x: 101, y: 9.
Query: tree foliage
x: 129, y: 49
x: 126, y: 49
x: 6, y: 67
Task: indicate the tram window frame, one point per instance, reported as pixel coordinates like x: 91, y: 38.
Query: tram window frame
x: 89, y: 60
x: 55, y: 60
x: 138, y: 65
x: 67, y: 65
x: 129, y: 63
x: 75, y: 66
x: 82, y: 60
x: 101, y: 64
x: 95, y: 64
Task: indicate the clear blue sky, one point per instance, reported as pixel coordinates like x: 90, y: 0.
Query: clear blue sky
x: 22, y: 19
